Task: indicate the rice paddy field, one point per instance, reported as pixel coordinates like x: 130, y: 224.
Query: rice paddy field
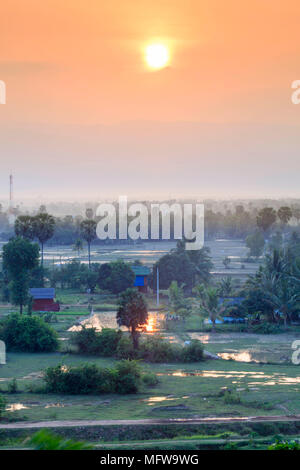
x: 253, y: 376
x: 149, y: 252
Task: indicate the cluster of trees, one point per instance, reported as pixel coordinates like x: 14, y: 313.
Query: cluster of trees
x: 187, y: 267
x: 155, y: 349
x: 27, y: 334
x: 115, y: 277
x: 126, y: 377
x: 43, y: 227
x: 274, y: 292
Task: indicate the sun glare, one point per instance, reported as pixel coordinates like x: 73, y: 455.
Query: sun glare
x: 157, y: 56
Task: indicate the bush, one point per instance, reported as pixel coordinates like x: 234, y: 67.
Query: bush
x: 231, y: 398
x: 89, y: 379
x: 2, y: 405
x: 85, y: 379
x: 285, y: 445
x: 150, y: 379
x: 266, y: 328
x: 12, y: 386
x: 155, y: 349
x: 193, y: 352
x: 104, y: 343
x: 28, y: 334
x: 125, y: 349
x: 46, y: 440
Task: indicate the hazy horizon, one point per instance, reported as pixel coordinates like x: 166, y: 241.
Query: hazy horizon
x: 85, y: 117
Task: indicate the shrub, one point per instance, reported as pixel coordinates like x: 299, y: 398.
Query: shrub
x: 90, y: 379
x: 193, y: 352
x: 28, y: 334
x: 46, y: 440
x: 12, y: 386
x: 104, y: 343
x: 155, y: 349
x: 85, y: 379
x: 150, y: 379
x: 231, y: 398
x: 125, y: 349
x: 285, y: 445
x: 266, y: 328
x: 128, y: 375
x: 2, y: 405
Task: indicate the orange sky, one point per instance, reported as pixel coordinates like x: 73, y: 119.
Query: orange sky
x: 80, y: 64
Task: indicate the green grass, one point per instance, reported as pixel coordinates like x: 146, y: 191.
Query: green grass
x: 261, y: 389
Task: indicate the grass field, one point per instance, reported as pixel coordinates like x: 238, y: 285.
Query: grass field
x: 184, y: 390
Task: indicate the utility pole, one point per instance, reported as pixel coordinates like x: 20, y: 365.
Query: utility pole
x: 10, y: 193
x: 157, y: 287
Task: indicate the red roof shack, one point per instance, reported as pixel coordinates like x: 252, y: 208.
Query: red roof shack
x: 43, y: 300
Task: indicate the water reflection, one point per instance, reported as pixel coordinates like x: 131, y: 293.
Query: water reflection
x: 243, y: 356
x: 276, y: 378
x: 108, y: 320
x: 16, y: 407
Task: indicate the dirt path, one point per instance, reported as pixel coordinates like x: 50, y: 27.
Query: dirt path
x: 137, y: 422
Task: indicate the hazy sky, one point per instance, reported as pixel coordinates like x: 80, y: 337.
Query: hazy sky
x: 86, y: 117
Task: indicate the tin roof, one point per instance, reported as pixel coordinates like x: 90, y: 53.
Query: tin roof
x: 141, y: 270
x: 42, y: 293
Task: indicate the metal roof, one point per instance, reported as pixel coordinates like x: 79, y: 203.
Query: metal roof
x: 141, y: 270
x: 42, y: 293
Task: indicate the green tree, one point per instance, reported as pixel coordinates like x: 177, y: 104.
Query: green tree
x: 280, y: 294
x: 177, y: 300
x: 266, y: 218
x: 285, y: 214
x: 44, y: 226
x: 132, y: 313
x: 88, y: 232
x: 209, y: 303
x: 116, y: 276
x: 24, y: 227
x: 225, y: 287
x: 20, y: 257
x: 255, y: 242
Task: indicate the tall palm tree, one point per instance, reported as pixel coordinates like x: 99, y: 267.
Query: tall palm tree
x: 44, y: 226
x: 88, y: 232
x: 24, y: 227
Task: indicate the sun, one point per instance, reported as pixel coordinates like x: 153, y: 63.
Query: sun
x: 157, y: 56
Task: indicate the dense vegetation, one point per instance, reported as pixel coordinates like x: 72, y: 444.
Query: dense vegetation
x: 111, y: 343
x: 27, y: 334
x: 125, y: 377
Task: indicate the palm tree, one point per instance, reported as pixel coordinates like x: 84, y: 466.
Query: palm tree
x: 88, y: 232
x: 284, y: 214
x: 24, y: 227
x: 44, y: 226
x: 281, y: 295
x: 209, y: 303
x: 78, y: 246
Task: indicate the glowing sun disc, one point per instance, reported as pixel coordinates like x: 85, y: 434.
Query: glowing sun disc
x: 157, y: 56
